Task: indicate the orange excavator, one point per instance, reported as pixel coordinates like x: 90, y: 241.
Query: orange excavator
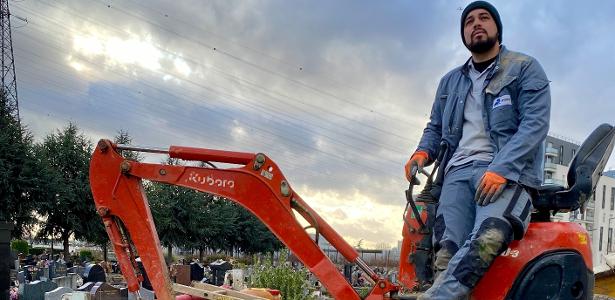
x: 552, y: 261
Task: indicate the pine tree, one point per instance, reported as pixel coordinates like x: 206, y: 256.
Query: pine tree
x: 19, y: 184
x: 67, y: 205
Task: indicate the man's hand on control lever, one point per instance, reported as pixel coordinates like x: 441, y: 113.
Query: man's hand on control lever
x: 418, y: 161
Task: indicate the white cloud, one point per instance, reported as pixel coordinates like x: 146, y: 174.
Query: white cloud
x: 116, y: 51
x: 342, y: 125
x: 356, y: 216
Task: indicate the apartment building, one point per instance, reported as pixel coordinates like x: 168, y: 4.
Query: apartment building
x: 598, y: 215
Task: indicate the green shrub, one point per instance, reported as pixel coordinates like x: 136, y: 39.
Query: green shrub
x: 293, y: 284
x: 86, y: 255
x: 20, y: 246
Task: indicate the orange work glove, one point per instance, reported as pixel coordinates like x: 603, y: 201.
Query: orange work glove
x: 490, y: 188
x: 418, y: 159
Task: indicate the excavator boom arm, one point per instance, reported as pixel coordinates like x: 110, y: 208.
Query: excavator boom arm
x: 258, y: 185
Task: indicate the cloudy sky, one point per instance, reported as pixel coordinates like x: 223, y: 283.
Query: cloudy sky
x: 336, y: 92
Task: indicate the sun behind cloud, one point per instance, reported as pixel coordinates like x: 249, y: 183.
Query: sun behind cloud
x: 132, y: 52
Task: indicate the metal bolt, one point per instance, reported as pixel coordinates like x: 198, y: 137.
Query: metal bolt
x: 103, y: 211
x: 125, y: 166
x: 259, y: 161
x: 162, y: 172
x: 382, y: 285
x: 284, y: 188
x: 103, y: 146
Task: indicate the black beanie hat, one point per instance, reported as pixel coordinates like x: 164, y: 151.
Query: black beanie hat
x: 486, y: 6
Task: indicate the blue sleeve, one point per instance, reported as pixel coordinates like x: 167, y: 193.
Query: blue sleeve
x: 432, y: 134
x: 534, y: 104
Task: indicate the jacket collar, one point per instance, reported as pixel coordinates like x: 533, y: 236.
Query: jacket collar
x: 465, y: 69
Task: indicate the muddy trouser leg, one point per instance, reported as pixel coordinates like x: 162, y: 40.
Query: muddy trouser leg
x: 496, y: 225
x: 454, y: 215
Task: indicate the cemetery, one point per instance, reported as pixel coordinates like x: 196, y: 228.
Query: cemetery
x: 45, y: 278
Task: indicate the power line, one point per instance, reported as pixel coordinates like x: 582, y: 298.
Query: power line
x: 333, y: 140
x: 241, y: 81
x: 254, y: 65
x: 283, y: 162
x: 341, y: 158
x: 285, y: 62
x: 117, y: 108
x: 239, y: 99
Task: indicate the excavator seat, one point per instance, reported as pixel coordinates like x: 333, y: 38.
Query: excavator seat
x: 583, y: 174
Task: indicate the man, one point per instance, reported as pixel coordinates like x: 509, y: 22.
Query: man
x: 493, y: 114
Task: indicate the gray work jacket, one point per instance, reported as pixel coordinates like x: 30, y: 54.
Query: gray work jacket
x: 516, y: 113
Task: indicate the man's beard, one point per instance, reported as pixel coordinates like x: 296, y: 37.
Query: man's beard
x: 482, y: 46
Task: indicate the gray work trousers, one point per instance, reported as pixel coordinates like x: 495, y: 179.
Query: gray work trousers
x: 468, y: 237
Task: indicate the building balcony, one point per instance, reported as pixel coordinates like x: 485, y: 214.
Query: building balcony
x: 551, y: 167
x: 550, y: 151
x: 552, y: 181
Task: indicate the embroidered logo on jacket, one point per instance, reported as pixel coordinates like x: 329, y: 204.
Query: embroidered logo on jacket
x: 501, y: 101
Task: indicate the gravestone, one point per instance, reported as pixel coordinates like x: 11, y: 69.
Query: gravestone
x: 238, y: 276
x: 52, y: 269
x: 67, y: 281
x: 59, y: 269
x: 87, y: 287
x: 21, y: 277
x: 72, y: 281
x: 75, y: 269
x: 196, y: 271
x: 182, y: 274
x: 57, y: 293
x: 29, y: 260
x: 104, y: 291
x: 44, y: 274
x: 218, y: 269
x: 20, y: 289
x: 76, y: 296
x: 348, y: 272
x: 36, y: 290
x: 145, y: 294
x: 31, y: 272
x: 75, y: 280
x: 94, y: 273
x: 127, y: 295
x: 41, y: 274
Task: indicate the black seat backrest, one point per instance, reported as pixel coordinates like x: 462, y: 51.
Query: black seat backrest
x: 588, y: 165
x: 583, y: 174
